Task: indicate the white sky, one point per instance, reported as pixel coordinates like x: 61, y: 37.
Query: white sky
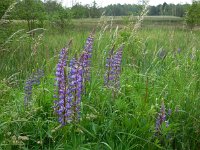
x: 103, y: 3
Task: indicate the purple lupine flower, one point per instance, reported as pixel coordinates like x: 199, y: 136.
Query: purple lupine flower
x: 34, y: 79
x: 37, y: 76
x: 85, y: 63
x: 75, y: 89
x: 86, y: 57
x: 61, y: 85
x: 117, y: 66
x: 109, y: 68
x: 113, y: 66
x: 28, y: 92
x: 89, y: 45
x: 162, y: 53
x: 85, y: 60
x: 169, y: 111
x: 179, y: 50
x: 162, y: 118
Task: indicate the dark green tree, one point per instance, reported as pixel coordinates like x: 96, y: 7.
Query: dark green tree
x: 31, y: 11
x: 193, y: 14
x: 57, y: 15
x: 94, y: 11
x: 80, y: 11
x: 4, y: 5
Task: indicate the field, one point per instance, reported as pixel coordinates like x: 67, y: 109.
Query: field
x: 154, y: 107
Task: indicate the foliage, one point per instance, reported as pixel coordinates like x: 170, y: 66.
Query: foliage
x: 168, y: 10
x: 161, y: 9
x: 122, y: 10
x: 30, y: 11
x: 80, y: 11
x: 193, y: 14
x: 4, y: 5
x: 58, y: 16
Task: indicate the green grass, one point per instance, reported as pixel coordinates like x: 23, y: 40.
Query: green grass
x: 126, y: 121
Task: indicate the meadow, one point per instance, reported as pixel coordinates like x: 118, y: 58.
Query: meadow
x: 155, y: 106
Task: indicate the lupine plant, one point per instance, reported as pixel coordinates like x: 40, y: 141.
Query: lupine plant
x: 34, y: 79
x: 85, y: 59
x: 117, y: 66
x: 162, y: 118
x: 75, y: 90
x: 113, y: 68
x: 109, y: 74
x: 70, y: 84
x: 61, y: 85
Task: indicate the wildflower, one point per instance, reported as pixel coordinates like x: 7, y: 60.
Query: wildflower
x: 85, y: 60
x: 162, y: 53
x: 69, y: 90
x: 61, y: 84
x: 169, y: 111
x: 75, y: 89
x: 85, y: 63
x: 28, y: 91
x: 109, y: 66
x: 179, y: 50
x: 113, y: 66
x: 161, y: 117
x: 34, y: 79
x: 117, y: 65
x: 86, y: 56
x: 89, y: 45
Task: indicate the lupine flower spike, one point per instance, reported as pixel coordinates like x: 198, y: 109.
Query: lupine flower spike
x: 34, y: 79
x: 61, y: 85
x: 117, y: 66
x: 113, y: 67
x: 75, y: 89
x: 162, y: 118
x: 85, y: 59
x: 109, y: 67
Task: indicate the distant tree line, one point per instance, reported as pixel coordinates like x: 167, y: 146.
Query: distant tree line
x: 35, y: 12
x: 164, y: 9
x: 37, y: 8
x: 169, y: 10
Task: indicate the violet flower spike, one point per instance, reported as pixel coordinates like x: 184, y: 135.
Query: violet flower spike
x: 87, y: 56
x: 161, y: 118
x: 85, y: 63
x: 109, y: 68
x: 28, y: 92
x: 61, y: 85
x: 113, y: 66
x: 117, y: 66
x: 34, y: 79
x: 75, y: 88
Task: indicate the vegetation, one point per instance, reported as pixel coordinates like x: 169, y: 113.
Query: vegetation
x: 52, y: 7
x: 159, y: 10
x: 193, y: 14
x: 4, y: 5
x: 132, y: 83
x: 31, y: 11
